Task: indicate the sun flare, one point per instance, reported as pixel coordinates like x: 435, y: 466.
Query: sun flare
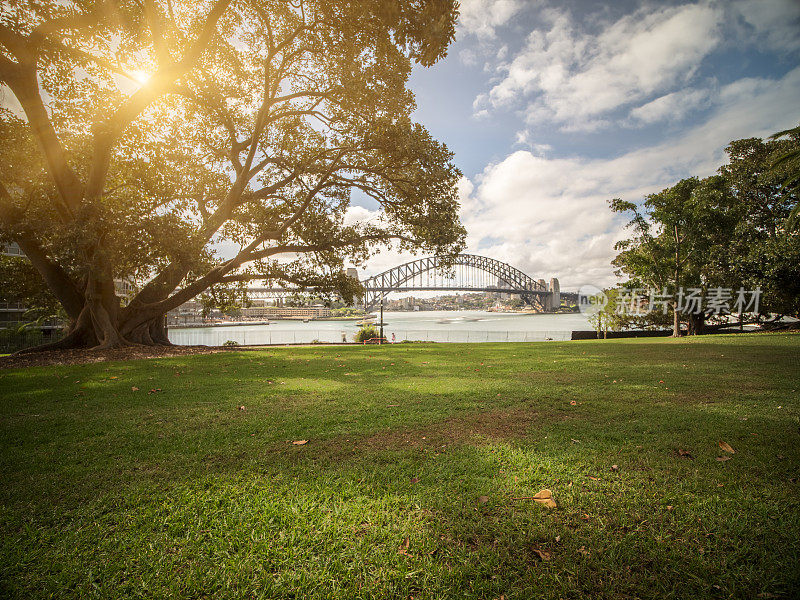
x: 139, y: 76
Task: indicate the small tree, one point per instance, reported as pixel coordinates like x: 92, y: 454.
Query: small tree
x: 367, y: 332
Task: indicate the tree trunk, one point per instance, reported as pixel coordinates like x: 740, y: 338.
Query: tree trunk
x: 697, y: 324
x: 96, y: 328
x: 676, y: 320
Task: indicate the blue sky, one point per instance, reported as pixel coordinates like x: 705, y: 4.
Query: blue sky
x: 553, y: 108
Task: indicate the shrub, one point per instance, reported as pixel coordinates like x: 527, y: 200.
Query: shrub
x: 365, y: 333
x: 230, y: 343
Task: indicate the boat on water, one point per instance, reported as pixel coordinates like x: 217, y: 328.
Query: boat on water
x: 451, y: 320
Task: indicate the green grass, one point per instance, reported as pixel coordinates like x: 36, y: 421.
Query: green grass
x: 110, y: 492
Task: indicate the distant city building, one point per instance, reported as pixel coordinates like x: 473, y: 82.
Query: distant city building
x: 187, y: 313
x: 278, y: 312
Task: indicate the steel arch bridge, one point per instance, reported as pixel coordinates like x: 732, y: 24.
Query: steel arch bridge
x: 468, y: 272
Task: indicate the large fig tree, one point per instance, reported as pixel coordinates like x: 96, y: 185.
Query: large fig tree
x: 141, y: 136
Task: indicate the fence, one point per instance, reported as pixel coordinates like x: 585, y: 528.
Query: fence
x: 218, y: 336
x: 12, y: 340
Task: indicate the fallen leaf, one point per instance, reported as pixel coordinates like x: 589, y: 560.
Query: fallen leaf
x: 134, y: 389
x: 403, y: 549
x: 545, y: 498
x: 242, y: 407
x: 573, y: 403
x: 415, y: 480
x: 558, y: 538
x: 593, y: 478
x: 542, y: 554
x: 300, y: 442
x: 669, y: 507
x: 723, y: 458
x: 483, y: 499
x: 583, y: 550
x: 726, y: 447
x: 615, y: 468
x: 684, y: 453
x: 113, y: 377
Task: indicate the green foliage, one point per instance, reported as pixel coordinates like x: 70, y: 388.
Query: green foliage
x: 610, y: 318
x: 367, y: 332
x: 173, y: 129
x: 729, y: 230
x: 15, y: 339
x: 348, y: 311
x: 21, y: 283
x: 787, y: 166
x: 230, y: 343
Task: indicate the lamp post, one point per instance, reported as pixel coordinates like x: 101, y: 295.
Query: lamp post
x: 381, y: 340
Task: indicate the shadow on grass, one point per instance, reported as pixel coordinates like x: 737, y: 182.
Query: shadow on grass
x: 224, y: 505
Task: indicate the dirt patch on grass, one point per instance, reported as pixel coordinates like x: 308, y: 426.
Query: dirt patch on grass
x: 496, y: 425
x: 77, y: 357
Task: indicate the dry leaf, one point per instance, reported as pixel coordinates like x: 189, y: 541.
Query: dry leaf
x: 583, y: 551
x: 403, y: 549
x: 726, y: 447
x: 573, y: 403
x: 542, y: 554
x: 134, y: 389
x: 684, y: 453
x: 545, y: 498
x: 242, y: 407
x: 300, y: 442
x: 483, y: 499
x: 415, y: 480
x: 723, y: 458
x: 593, y: 478
x: 615, y: 468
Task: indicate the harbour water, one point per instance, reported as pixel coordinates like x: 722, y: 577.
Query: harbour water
x: 432, y: 326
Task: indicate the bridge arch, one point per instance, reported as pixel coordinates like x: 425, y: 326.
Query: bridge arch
x: 379, y: 286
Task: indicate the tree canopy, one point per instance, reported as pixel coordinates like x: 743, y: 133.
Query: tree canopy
x: 150, y: 134
x: 731, y: 230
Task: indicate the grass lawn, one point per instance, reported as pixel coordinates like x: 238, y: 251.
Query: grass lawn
x: 146, y: 479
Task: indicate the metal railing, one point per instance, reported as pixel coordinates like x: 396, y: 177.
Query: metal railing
x: 12, y: 339
x: 217, y: 337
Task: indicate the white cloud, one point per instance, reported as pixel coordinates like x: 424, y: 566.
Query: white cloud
x: 575, y: 77
x: 776, y: 23
x: 670, y: 107
x: 359, y: 214
x: 549, y: 216
x: 482, y: 17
